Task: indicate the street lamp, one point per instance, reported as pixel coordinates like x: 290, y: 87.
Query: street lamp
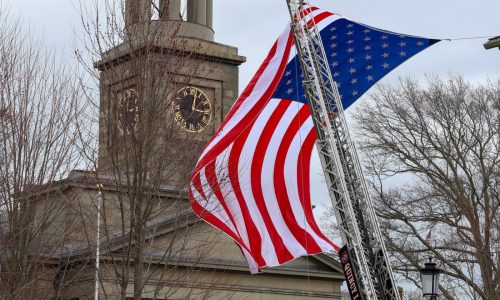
x: 430, y: 279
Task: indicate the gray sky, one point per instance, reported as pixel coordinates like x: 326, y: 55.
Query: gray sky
x: 252, y: 26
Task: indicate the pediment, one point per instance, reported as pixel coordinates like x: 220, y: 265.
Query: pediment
x: 202, y: 245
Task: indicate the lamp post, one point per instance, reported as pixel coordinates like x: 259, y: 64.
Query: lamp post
x: 430, y: 279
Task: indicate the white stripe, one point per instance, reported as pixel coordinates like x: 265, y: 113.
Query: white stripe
x: 245, y: 176
x: 267, y: 181
x: 252, y: 264
x: 291, y: 182
x: 227, y: 192
x: 259, y: 89
x: 267, y: 76
x: 212, y: 204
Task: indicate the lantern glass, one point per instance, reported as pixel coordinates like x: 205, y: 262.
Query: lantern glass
x: 430, y: 280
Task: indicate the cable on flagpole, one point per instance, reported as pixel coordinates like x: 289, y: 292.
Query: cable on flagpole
x: 469, y: 38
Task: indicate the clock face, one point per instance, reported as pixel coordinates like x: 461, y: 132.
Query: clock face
x: 192, y: 109
x: 128, y: 111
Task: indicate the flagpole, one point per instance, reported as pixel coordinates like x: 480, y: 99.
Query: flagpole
x: 98, y: 240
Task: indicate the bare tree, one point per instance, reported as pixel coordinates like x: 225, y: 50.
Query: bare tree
x: 148, y: 144
x: 433, y: 154
x: 38, y: 108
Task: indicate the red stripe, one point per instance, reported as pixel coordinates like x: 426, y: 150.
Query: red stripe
x: 213, y: 220
x: 304, y: 13
x: 211, y: 175
x: 303, y: 180
x: 209, y: 217
x: 259, y: 105
x: 320, y: 17
x: 254, y: 235
x: 252, y: 114
x: 256, y: 174
x: 302, y: 236
x: 202, y: 212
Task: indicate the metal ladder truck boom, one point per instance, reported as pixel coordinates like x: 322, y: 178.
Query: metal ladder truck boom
x: 353, y: 206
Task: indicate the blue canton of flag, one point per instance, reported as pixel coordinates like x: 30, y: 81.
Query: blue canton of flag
x: 358, y: 55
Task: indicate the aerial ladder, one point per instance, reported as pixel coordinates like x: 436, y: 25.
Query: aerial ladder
x: 348, y: 190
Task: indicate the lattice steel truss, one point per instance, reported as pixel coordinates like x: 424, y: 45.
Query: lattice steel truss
x: 348, y: 190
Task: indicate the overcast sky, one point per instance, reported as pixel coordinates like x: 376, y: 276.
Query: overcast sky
x: 253, y: 25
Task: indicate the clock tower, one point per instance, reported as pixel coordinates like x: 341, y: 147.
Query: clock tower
x: 164, y: 88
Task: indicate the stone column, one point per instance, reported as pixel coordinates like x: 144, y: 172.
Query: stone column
x: 201, y: 12
x: 170, y: 9
x: 197, y: 11
x: 137, y: 11
x: 191, y: 8
x: 210, y: 13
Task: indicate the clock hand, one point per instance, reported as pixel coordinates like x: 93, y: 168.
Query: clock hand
x: 195, y: 97
x: 195, y: 109
x: 193, y: 106
x: 202, y: 110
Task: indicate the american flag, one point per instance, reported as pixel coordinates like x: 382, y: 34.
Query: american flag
x: 252, y: 179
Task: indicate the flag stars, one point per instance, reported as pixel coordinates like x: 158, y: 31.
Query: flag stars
x: 357, y: 56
